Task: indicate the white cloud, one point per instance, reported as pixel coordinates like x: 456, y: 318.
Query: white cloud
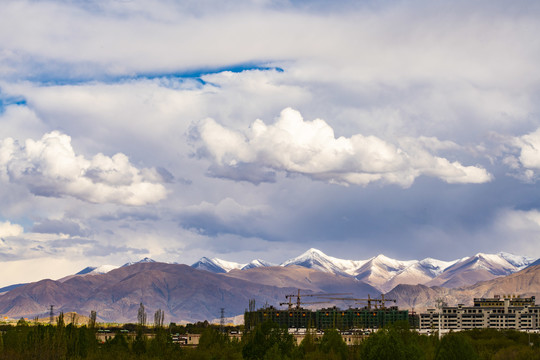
x: 50, y: 167
x: 311, y: 148
x: 407, y: 75
x: 517, y: 231
x: 522, y: 155
x: 27, y: 270
x: 529, y: 145
x: 9, y: 229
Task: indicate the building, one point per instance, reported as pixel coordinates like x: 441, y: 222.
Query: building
x: 327, y: 318
x: 510, y: 312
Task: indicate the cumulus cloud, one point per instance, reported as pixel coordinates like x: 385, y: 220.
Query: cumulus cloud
x: 522, y: 155
x: 50, y: 167
x: 311, y: 148
x: 9, y: 229
x: 530, y: 150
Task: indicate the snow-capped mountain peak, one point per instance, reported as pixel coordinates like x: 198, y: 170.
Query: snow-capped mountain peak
x: 316, y: 259
x: 479, y: 267
x: 216, y: 265
x: 379, y: 271
x: 521, y: 262
x: 145, y: 260
x: 434, y: 266
x: 93, y: 270
x: 256, y: 264
x: 494, y: 263
x: 103, y: 269
x: 227, y: 265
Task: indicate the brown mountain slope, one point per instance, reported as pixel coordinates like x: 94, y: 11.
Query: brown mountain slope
x: 304, y: 278
x: 525, y: 282
x: 181, y: 291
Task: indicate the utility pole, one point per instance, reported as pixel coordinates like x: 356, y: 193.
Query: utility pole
x: 440, y: 303
x: 222, y: 321
x: 51, y: 314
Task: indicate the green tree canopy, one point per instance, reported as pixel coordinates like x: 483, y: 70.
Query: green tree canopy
x: 456, y: 346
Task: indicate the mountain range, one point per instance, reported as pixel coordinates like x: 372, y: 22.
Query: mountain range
x: 381, y: 272
x: 524, y: 283
x: 385, y: 273
x: 198, y: 292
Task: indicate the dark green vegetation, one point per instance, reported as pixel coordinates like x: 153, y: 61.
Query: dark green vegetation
x: 266, y: 341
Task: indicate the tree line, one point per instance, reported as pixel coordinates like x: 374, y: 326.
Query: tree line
x: 266, y: 341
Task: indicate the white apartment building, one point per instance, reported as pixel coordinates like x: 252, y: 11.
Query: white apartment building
x: 507, y: 312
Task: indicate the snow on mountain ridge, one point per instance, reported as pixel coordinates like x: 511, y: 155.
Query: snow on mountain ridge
x: 379, y: 271
x: 145, y: 260
x: 97, y: 270
x: 493, y: 263
x: 103, y: 269
x: 316, y: 259
x: 385, y: 273
x: 257, y: 263
x: 227, y: 265
x: 434, y: 266
x: 518, y: 261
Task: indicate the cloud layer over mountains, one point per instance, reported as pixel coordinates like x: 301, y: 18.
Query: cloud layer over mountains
x: 251, y: 129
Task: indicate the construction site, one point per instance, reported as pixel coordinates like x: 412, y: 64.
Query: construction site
x: 374, y: 314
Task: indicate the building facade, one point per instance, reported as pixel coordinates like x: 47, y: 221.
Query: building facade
x: 327, y: 318
x: 511, y: 312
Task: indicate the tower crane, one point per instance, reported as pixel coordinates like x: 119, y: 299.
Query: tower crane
x: 376, y: 303
x: 299, y: 297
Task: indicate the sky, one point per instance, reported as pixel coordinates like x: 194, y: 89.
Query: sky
x: 259, y: 129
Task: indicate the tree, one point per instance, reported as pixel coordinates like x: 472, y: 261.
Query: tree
x: 308, y: 344
x: 333, y: 345
x: 117, y: 347
x: 395, y: 342
x: 159, y: 318
x: 60, y: 321
x: 456, y: 346
x: 141, y: 315
x: 22, y: 322
x: 263, y: 338
x: 92, y: 321
x: 73, y: 318
x: 139, y: 344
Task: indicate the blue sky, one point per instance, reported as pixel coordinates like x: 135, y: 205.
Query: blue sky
x: 259, y: 129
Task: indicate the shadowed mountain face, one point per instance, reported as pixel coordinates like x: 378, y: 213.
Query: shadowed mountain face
x: 181, y: 291
x: 525, y: 283
x: 537, y: 262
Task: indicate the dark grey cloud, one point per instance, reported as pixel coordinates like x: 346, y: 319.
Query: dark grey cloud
x: 130, y: 215
x: 251, y: 173
x: 225, y: 217
x: 166, y: 176
x: 67, y: 227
